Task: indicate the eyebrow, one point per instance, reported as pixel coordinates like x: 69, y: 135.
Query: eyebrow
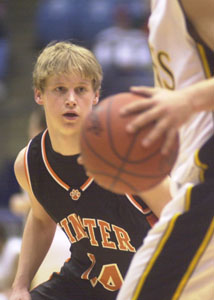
x: 84, y: 82
x: 58, y: 82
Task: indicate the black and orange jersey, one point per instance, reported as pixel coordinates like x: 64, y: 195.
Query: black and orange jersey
x: 104, y: 228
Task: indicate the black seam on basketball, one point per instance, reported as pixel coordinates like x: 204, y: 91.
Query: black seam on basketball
x: 114, y: 167
x: 86, y: 140
x: 115, y: 172
x: 119, y: 179
x: 111, y: 143
x: 114, y: 150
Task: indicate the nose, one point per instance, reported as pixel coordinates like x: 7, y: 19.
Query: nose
x: 70, y: 99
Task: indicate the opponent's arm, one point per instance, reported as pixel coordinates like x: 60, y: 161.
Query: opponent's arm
x: 155, y: 198
x: 200, y: 14
x: 37, y: 238
x: 168, y: 109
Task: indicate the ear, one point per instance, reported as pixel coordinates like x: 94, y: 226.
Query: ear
x: 38, y: 97
x: 96, y: 98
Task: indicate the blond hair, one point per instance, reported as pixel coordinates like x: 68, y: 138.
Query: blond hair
x: 66, y: 57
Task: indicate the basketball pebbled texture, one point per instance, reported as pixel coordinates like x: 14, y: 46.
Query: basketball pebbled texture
x: 115, y: 158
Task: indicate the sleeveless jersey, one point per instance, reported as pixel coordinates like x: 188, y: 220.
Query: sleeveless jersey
x: 176, y: 260
x: 179, y: 60
x: 104, y: 229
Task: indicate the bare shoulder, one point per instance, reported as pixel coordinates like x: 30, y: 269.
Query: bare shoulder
x: 20, y: 172
x: 19, y: 168
x: 21, y: 175
x: 201, y: 14
x: 198, y: 9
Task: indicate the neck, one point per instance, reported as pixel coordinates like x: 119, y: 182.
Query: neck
x: 65, y: 144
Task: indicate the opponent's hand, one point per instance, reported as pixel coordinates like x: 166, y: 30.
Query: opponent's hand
x: 168, y: 109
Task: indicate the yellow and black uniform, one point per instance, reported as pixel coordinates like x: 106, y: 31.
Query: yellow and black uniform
x: 181, y: 246
x: 176, y: 260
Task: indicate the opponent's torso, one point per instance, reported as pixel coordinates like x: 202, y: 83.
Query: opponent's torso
x: 104, y: 229
x: 179, y: 61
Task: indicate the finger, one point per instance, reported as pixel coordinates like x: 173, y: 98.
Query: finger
x: 169, y: 142
x: 143, y: 119
x: 159, y: 129
x: 143, y: 90
x: 135, y: 106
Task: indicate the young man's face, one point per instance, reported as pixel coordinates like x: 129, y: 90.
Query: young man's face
x: 67, y: 99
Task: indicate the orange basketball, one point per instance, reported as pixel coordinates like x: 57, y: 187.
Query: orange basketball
x: 115, y: 158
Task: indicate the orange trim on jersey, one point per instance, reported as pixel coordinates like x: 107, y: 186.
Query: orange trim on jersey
x: 137, y: 205
x: 53, y: 174
x: 67, y: 260
x: 26, y: 165
x: 152, y: 219
x: 87, y: 183
x: 50, y: 170
x: 92, y: 258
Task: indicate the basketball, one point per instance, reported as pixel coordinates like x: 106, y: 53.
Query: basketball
x: 115, y: 158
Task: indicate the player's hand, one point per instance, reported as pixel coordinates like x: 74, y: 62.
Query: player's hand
x: 21, y: 294
x: 168, y: 109
x: 81, y: 162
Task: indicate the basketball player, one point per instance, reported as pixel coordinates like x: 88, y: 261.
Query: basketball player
x: 100, y: 225
x: 176, y: 260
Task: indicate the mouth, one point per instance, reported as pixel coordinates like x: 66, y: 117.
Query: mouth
x: 70, y: 116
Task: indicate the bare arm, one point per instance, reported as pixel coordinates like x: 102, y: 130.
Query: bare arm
x: 169, y: 109
x: 37, y: 238
x: 201, y: 15
x: 157, y: 197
